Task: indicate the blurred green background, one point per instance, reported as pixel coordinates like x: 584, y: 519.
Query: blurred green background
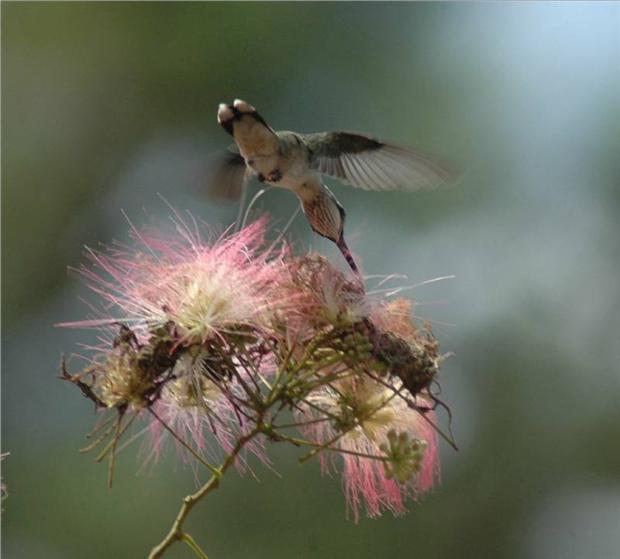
x: 106, y: 105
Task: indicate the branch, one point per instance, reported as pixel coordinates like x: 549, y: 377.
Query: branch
x: 176, y: 532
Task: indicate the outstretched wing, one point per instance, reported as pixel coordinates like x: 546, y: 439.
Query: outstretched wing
x: 372, y: 164
x: 227, y: 175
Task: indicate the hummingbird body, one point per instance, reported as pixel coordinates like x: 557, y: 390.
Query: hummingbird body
x: 297, y: 161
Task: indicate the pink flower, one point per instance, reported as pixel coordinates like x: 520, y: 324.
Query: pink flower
x: 189, y: 308
x: 372, y: 411
x: 204, y: 288
x: 202, y: 413
x: 323, y: 295
x: 388, y: 450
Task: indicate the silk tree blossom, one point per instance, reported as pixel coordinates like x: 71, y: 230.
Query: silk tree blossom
x: 388, y: 450
x: 376, y: 414
x: 202, y: 410
x: 203, y: 288
x: 324, y: 296
x: 198, y: 313
x: 211, y: 343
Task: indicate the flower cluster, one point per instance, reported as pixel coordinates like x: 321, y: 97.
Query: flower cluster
x: 215, y: 344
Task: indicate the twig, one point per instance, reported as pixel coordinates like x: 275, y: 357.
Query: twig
x: 176, y: 532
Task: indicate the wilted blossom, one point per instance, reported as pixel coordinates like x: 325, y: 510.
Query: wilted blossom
x: 217, y: 341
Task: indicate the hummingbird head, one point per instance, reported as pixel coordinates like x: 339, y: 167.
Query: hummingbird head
x: 228, y: 114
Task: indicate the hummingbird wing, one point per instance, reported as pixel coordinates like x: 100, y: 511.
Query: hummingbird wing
x: 227, y: 175
x: 366, y: 162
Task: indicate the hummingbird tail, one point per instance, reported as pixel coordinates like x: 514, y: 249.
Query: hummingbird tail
x: 342, y: 245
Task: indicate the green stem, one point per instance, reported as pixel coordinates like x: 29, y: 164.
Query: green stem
x: 300, y: 423
x: 191, y: 543
x: 304, y: 442
x: 176, y: 532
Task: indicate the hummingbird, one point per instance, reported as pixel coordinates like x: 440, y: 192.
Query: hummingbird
x: 297, y: 162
